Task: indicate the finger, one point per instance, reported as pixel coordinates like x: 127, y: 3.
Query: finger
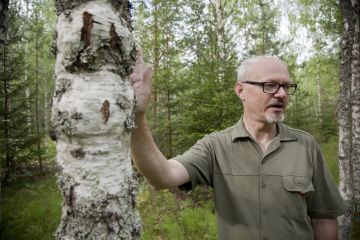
x: 135, y: 77
x: 139, y: 63
x: 148, y: 73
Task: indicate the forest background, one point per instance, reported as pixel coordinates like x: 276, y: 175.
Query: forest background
x: 195, y: 57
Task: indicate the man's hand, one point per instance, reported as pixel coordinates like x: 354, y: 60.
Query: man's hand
x: 141, y: 82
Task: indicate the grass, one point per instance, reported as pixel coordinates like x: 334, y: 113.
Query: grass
x: 174, y: 216
x: 30, y: 210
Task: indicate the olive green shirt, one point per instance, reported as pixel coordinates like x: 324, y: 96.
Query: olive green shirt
x: 269, y: 195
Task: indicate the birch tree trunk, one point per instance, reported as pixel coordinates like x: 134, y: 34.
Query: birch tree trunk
x: 318, y: 108
x: 220, y: 39
x: 92, y: 114
x: 355, y: 96
x: 349, y: 117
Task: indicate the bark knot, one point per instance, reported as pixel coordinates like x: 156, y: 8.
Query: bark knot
x: 77, y: 116
x: 78, y: 153
x: 105, y: 110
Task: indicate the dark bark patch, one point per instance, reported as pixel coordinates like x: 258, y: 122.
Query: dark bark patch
x: 53, y: 49
x: 62, y: 86
x: 123, y: 102
x: 88, y: 24
x: 114, y: 38
x: 130, y: 122
x: 78, y: 153
x: 62, y: 122
x: 53, y: 134
x: 105, y: 110
x: 85, y: 40
x: 77, y: 116
x: 115, y: 53
x: 72, y: 197
x: 130, y: 119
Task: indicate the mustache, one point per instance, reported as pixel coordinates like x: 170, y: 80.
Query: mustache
x: 278, y: 104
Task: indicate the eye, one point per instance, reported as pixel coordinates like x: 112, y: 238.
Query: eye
x: 271, y: 85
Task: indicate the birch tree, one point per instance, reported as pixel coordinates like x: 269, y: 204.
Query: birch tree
x: 220, y: 39
x: 92, y: 115
x: 349, y: 117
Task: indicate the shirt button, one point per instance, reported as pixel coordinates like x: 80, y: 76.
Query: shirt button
x: 265, y: 211
x: 263, y: 185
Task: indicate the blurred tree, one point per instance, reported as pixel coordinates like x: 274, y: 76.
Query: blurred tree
x: 16, y: 143
x: 3, y: 37
x: 28, y: 71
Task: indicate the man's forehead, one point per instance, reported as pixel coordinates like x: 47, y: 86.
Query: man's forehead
x: 266, y: 65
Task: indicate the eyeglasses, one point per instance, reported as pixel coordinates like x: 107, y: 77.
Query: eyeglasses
x: 271, y: 88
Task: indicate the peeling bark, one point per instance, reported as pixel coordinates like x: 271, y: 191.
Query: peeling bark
x: 92, y: 114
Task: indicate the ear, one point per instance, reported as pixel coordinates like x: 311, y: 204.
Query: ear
x: 239, y: 90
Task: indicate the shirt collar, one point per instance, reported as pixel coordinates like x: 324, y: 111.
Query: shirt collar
x: 239, y: 131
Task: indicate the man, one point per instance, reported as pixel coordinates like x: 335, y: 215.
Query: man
x: 269, y: 181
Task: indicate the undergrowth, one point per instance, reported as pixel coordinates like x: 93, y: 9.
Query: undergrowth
x: 31, y: 210
x: 176, y: 216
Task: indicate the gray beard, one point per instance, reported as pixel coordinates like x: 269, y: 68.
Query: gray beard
x: 273, y: 119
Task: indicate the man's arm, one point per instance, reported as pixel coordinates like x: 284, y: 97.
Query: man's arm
x: 324, y: 229
x: 160, y: 172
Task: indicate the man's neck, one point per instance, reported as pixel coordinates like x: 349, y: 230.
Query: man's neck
x: 263, y: 133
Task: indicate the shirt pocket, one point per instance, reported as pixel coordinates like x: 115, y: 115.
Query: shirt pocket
x: 293, y: 201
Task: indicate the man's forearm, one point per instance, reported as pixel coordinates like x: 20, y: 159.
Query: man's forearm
x: 147, y: 157
x: 325, y: 229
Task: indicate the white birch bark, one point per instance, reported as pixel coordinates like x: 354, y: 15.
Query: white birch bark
x: 319, y: 93
x: 220, y: 39
x: 92, y: 116
x: 355, y: 96
x: 346, y: 119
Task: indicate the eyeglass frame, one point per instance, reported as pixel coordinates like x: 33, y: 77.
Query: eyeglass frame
x: 278, y: 86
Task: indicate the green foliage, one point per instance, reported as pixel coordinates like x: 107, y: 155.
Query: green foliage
x: 30, y: 210
x: 330, y: 151
x: 26, y: 85
x: 169, y: 215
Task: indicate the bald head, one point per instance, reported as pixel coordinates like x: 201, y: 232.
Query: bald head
x: 254, y: 65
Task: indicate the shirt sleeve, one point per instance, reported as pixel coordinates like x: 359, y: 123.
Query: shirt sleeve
x: 198, y: 162
x: 325, y: 201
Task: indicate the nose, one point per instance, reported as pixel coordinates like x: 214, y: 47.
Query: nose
x: 281, y: 93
